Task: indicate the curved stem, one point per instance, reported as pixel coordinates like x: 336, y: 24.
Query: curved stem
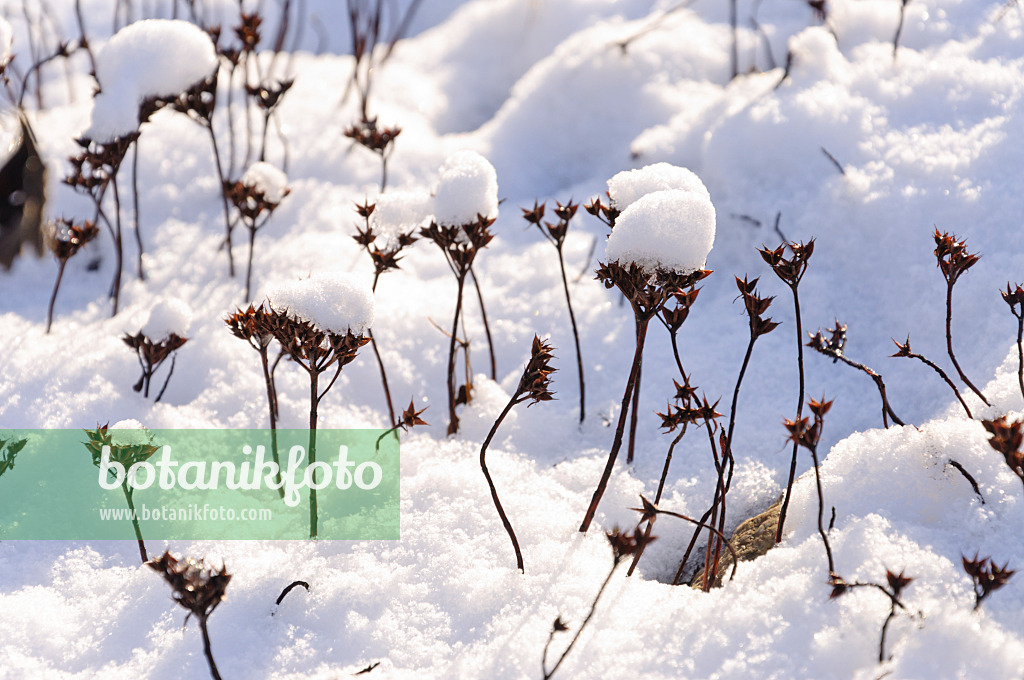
x: 579, y: 631
x: 313, y: 401
x: 490, y: 483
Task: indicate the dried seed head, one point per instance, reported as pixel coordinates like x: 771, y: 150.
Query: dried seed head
x: 625, y: 544
x: 986, y: 575
x: 790, y: 270
x: 897, y: 582
x: 535, y: 384
x: 196, y: 586
x: 1015, y: 299
x: 559, y: 626
x: 411, y: 417
x: 1007, y: 438
x: 69, y: 237
x: 952, y: 256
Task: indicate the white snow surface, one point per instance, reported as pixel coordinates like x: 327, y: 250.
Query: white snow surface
x: 266, y: 179
x: 545, y: 92
x: 334, y: 302
x: 672, y: 229
x: 467, y: 187
x: 168, y: 315
x: 6, y: 36
x: 149, y: 58
x: 629, y: 185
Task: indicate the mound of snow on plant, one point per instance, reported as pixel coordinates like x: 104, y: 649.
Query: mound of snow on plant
x: 168, y: 316
x: 331, y: 301
x: 467, y: 187
x: 629, y: 185
x: 267, y: 180
x: 150, y: 58
x: 672, y: 229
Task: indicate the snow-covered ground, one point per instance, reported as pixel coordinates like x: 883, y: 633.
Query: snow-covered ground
x: 543, y: 89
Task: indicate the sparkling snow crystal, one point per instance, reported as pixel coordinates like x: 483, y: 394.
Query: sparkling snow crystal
x: 331, y: 301
x: 266, y: 179
x: 168, y: 316
x: 150, y: 58
x: 467, y: 187
x: 672, y: 229
x: 629, y: 185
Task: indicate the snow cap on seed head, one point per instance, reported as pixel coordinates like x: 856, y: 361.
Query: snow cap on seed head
x: 467, y: 186
x: 629, y: 185
x: 149, y: 58
x: 332, y: 301
x: 168, y: 316
x: 669, y: 228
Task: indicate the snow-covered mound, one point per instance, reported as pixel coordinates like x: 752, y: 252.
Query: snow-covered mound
x: 150, y: 58
x: 828, y: 132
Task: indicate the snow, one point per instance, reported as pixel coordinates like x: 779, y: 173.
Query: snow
x: 267, y: 180
x: 6, y: 36
x: 129, y: 432
x: 629, y: 185
x: 543, y: 91
x: 168, y: 316
x: 150, y: 58
x: 400, y: 211
x: 467, y: 186
x: 333, y: 302
x: 671, y: 229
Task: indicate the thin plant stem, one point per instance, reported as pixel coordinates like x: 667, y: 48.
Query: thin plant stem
x: 949, y: 344
x: 272, y: 403
x: 619, y: 429
x: 490, y: 483
x: 119, y: 242
x: 821, y: 512
x: 453, y: 419
x: 487, y: 327
x: 135, y: 521
x: 942, y: 374
x: 799, y: 410
x: 575, y: 335
x: 380, y: 364
x: 579, y: 631
x: 53, y: 296
x: 383, y: 379
x: 167, y: 380
x: 223, y: 196
x: 634, y: 414
x: 689, y: 547
x: 248, y: 268
x: 887, y: 411
x: 314, y: 399
x: 135, y: 205
x: 206, y: 648
x: 1020, y: 352
x: 657, y: 499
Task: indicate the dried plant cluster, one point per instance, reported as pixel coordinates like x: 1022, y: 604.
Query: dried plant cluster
x: 652, y: 294
x: 198, y: 588
x: 460, y: 245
